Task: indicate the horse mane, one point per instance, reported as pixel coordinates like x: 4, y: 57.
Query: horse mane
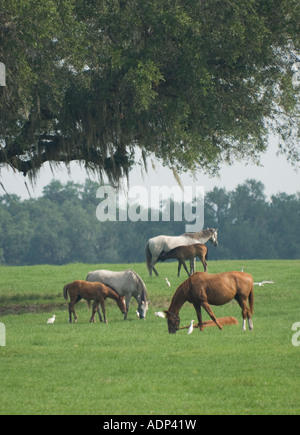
x: 180, y: 296
x: 111, y: 288
x: 204, y: 233
x: 141, y: 285
x: 185, y: 287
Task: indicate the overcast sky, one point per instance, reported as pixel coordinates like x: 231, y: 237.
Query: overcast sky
x: 275, y: 172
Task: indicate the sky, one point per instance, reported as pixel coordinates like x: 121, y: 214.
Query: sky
x: 274, y: 172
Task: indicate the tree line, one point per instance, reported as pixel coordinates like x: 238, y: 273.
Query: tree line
x: 61, y: 227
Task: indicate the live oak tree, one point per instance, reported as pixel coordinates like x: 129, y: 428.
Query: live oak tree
x: 195, y: 82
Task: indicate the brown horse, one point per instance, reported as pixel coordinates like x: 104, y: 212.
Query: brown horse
x: 203, y: 289
x: 91, y: 291
x: 183, y: 253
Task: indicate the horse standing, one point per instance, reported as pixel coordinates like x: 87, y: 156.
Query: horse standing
x: 183, y: 253
x: 96, y: 292
x: 127, y: 283
x: 203, y: 289
x: 163, y: 244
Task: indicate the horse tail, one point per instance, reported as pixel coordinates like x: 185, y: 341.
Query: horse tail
x: 148, y: 259
x: 251, y: 300
x: 65, y: 292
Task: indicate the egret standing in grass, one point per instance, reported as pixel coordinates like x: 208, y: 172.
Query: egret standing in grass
x: 191, y: 328
x: 168, y: 283
x: 52, y: 320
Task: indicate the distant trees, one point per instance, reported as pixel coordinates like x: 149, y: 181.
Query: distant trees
x: 61, y: 227
x: 251, y: 226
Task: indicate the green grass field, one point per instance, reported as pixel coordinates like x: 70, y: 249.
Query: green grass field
x: 135, y: 367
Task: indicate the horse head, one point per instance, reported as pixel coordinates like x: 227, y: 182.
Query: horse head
x: 214, y: 238
x: 173, y: 322
x: 142, y: 309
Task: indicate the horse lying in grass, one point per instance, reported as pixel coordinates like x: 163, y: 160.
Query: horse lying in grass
x: 203, y: 289
x: 183, y: 253
x: 91, y: 291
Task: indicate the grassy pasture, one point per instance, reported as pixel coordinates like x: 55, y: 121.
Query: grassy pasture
x: 136, y: 367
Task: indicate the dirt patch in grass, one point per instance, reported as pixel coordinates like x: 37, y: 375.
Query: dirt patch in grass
x: 25, y: 309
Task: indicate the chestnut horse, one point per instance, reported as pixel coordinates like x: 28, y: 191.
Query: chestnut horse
x: 203, y: 289
x: 183, y: 253
x: 91, y: 291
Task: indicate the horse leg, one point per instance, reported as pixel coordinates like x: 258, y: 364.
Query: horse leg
x: 70, y: 313
x: 102, y: 303
x: 199, y: 315
x: 75, y: 316
x: 72, y: 310
x: 127, y: 302
x: 193, y: 265
x: 202, y: 259
x: 94, y: 310
x: 179, y: 268
x: 99, y: 313
x: 209, y: 311
x: 186, y: 269
x: 245, y: 312
x: 155, y: 271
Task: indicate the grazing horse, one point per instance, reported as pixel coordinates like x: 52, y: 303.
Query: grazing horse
x: 183, y: 253
x: 203, y: 289
x: 127, y: 283
x: 163, y: 244
x: 96, y: 292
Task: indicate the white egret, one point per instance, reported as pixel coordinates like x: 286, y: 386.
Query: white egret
x: 51, y: 321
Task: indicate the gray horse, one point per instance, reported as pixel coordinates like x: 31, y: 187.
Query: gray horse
x: 127, y: 283
x: 163, y: 244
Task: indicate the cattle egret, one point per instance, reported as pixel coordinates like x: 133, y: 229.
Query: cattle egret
x: 261, y: 284
x: 191, y: 328
x: 160, y: 314
x: 51, y: 321
x: 168, y: 282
